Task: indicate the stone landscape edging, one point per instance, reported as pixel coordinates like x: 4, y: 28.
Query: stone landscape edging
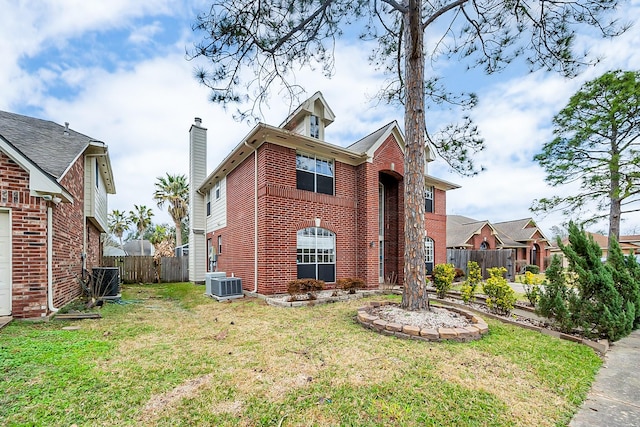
x: 468, y: 333
x: 601, y: 346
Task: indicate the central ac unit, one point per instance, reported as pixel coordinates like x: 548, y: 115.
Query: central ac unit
x: 223, y: 288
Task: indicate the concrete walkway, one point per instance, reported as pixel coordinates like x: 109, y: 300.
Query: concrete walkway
x: 614, y: 398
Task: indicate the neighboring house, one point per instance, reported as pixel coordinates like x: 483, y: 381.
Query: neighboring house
x: 54, y: 183
x: 132, y: 248
x: 523, y: 235
x: 629, y: 245
x: 285, y: 204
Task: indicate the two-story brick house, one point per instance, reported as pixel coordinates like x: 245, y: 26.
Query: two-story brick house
x: 286, y: 204
x: 54, y: 183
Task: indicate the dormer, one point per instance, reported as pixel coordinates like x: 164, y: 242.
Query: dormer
x: 310, y: 118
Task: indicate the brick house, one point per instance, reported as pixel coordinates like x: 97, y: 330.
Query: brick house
x: 286, y: 204
x: 54, y: 183
x: 523, y: 235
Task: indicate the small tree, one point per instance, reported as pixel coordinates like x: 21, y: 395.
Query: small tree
x: 624, y: 282
x: 141, y: 217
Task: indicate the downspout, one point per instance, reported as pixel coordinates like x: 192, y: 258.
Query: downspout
x: 50, y: 259
x: 255, y: 217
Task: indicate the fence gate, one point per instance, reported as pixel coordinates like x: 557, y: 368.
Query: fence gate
x: 486, y: 259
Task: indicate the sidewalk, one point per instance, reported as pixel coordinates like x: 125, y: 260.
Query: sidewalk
x: 614, y: 398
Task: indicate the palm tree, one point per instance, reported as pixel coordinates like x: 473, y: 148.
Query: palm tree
x: 174, y: 190
x: 119, y: 222
x: 141, y: 217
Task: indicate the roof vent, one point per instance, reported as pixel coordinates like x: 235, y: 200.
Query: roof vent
x: 66, y: 128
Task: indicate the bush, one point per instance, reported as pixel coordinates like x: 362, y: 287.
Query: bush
x: 295, y: 288
x: 532, y: 268
x: 500, y: 296
x: 350, y: 284
x: 531, y: 287
x: 468, y: 290
x: 443, y: 275
x: 553, y: 300
x: 599, y: 310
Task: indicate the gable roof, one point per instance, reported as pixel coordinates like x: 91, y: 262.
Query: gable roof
x: 461, y: 228
x: 49, y: 146
x: 307, y: 107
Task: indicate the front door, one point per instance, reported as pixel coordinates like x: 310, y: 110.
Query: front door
x: 5, y: 264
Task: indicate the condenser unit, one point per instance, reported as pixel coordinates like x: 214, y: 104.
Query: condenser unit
x: 208, y: 280
x: 223, y: 288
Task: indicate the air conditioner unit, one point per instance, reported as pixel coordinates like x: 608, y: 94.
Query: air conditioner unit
x: 226, y: 288
x: 208, y: 280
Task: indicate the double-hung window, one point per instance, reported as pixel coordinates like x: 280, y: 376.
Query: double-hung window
x: 428, y: 199
x: 314, y: 174
x: 316, y: 254
x: 208, y: 202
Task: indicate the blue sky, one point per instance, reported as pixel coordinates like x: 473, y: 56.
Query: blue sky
x: 117, y: 71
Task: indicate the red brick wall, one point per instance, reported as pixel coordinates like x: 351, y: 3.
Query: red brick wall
x: 352, y: 214
x: 68, y: 223
x: 477, y: 239
x: 28, y: 241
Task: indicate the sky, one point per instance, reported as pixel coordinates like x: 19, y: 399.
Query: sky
x: 118, y: 72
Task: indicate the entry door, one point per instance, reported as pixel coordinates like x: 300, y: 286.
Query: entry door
x: 5, y: 264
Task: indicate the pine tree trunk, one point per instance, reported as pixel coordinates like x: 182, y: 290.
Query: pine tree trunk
x: 614, y: 191
x: 414, y: 295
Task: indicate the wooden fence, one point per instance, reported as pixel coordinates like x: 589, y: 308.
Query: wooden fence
x: 143, y: 269
x: 485, y: 259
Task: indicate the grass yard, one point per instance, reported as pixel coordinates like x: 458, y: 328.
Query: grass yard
x: 173, y: 357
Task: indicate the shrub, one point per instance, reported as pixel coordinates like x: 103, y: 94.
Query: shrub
x: 622, y: 272
x: 350, y: 284
x: 532, y: 268
x: 531, y: 287
x: 443, y: 275
x: 598, y: 309
x: 297, y: 287
x: 468, y: 290
x: 553, y: 301
x: 500, y: 296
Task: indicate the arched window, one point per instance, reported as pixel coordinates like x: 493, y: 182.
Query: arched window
x: 428, y: 254
x: 484, y: 246
x: 316, y: 254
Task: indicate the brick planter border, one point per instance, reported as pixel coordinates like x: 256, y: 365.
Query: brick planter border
x: 469, y: 333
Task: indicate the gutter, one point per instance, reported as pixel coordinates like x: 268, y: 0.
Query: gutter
x: 255, y: 216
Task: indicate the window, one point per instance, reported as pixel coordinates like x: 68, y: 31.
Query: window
x: 208, y: 202
x: 314, y: 174
x: 428, y: 199
x: 314, y: 128
x: 428, y: 254
x: 484, y: 246
x: 316, y: 254
x: 217, y: 190
x: 219, y: 245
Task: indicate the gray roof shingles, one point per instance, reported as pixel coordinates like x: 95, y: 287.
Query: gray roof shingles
x: 43, y: 142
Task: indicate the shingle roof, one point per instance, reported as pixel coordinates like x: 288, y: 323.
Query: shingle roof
x: 43, y: 142
x: 460, y: 229
x: 363, y: 145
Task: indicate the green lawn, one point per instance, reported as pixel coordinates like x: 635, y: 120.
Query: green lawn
x: 174, y: 357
